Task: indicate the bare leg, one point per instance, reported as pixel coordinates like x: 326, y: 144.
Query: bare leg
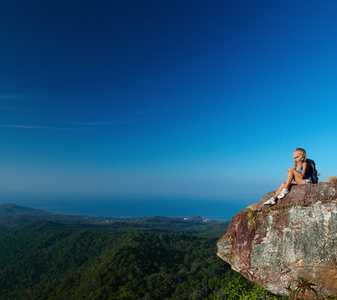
x: 279, y: 190
x: 294, y: 175
x: 289, y: 179
x: 272, y: 200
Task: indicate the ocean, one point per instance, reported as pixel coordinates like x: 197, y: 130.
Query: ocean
x: 132, y: 205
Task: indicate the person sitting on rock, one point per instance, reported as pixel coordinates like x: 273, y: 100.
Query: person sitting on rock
x: 298, y: 174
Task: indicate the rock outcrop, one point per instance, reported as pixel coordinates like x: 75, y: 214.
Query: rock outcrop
x: 275, y: 245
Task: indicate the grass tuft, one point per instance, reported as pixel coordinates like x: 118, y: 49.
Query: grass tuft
x: 331, y: 178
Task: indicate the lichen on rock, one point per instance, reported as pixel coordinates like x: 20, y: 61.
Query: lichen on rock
x: 272, y: 246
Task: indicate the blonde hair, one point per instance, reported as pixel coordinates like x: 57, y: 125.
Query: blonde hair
x: 303, y: 154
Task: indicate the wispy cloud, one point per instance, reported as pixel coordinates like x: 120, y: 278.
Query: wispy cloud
x: 17, y: 105
x: 30, y: 116
x: 62, y: 125
x: 34, y: 127
x: 23, y: 117
x: 15, y: 96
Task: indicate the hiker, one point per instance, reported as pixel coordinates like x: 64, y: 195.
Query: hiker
x: 300, y: 175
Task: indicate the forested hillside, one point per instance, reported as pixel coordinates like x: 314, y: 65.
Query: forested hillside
x: 47, y: 260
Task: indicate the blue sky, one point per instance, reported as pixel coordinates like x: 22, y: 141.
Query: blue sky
x: 181, y: 98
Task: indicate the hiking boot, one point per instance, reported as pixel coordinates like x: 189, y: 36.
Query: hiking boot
x: 283, y: 193
x: 271, y: 201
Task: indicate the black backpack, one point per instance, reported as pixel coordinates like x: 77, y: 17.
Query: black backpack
x: 312, y: 172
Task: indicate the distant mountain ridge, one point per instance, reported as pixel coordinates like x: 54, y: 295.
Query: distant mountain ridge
x: 14, y: 215
x: 10, y: 208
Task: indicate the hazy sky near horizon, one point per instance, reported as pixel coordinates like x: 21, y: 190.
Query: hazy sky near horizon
x: 184, y: 98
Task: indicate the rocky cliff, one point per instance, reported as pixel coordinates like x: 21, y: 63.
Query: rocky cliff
x: 297, y: 237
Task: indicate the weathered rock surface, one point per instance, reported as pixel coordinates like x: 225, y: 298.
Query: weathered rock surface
x: 297, y: 237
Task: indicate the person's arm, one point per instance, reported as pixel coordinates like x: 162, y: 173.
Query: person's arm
x: 304, y: 169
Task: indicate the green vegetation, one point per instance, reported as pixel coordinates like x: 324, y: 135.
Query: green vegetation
x: 252, y: 215
x: 151, y: 258
x: 240, y: 288
x: 303, y: 287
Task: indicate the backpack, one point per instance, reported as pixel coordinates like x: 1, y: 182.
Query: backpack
x: 312, y: 172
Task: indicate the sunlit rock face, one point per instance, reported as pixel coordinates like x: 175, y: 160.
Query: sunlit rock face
x: 297, y: 237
